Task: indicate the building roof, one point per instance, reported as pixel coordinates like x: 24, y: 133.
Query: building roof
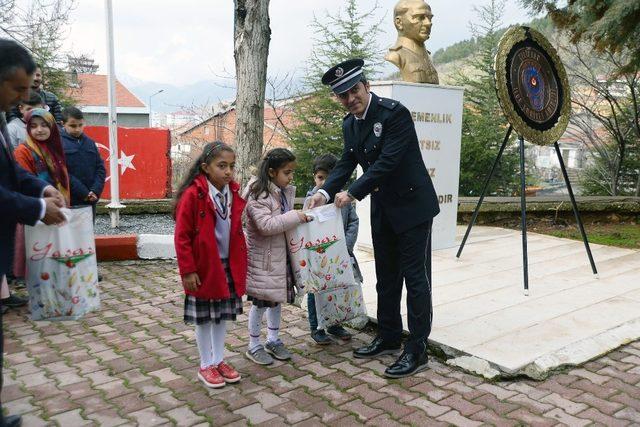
x: 219, y: 110
x: 91, y: 91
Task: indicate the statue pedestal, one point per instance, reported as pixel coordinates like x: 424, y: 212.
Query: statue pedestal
x: 437, y: 114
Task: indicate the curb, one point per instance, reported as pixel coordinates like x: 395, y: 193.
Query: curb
x: 123, y: 247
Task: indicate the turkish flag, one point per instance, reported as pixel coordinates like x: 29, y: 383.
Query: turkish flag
x: 144, y: 161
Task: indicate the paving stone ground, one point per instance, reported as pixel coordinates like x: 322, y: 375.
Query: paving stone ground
x: 135, y: 362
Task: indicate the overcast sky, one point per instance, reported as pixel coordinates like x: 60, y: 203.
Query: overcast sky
x: 184, y: 41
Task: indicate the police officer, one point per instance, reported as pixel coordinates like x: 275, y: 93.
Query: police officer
x: 379, y: 135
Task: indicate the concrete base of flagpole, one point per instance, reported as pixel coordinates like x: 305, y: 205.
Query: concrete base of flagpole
x: 114, y: 213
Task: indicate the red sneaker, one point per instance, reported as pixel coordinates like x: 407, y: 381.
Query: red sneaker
x: 229, y: 374
x: 211, y: 377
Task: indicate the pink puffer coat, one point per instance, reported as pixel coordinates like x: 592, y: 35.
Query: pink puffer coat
x: 267, y: 247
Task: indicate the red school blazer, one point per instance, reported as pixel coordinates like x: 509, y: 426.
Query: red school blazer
x: 196, y: 246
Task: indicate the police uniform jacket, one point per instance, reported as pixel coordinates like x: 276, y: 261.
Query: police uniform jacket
x: 386, y: 146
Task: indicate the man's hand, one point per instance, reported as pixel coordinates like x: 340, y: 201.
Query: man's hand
x: 52, y: 214
x: 316, y: 200
x: 191, y: 282
x: 342, y: 199
x: 91, y: 197
x: 51, y: 192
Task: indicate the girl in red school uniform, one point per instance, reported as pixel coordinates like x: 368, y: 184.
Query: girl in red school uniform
x: 212, y: 256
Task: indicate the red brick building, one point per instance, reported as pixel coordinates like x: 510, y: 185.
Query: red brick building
x: 92, y: 97
x: 221, y: 126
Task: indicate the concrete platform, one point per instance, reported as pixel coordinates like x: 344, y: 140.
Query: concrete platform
x: 485, y: 323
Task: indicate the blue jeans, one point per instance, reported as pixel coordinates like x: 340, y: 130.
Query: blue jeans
x: 311, y: 310
x: 313, y: 316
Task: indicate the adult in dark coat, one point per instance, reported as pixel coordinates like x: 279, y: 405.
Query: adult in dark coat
x: 379, y: 135
x: 48, y: 98
x: 24, y: 198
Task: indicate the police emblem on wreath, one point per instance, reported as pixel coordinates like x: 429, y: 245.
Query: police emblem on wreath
x: 377, y: 129
x: 532, y: 86
x: 339, y: 72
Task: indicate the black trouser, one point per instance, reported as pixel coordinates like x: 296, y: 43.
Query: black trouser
x: 1, y: 356
x: 404, y: 257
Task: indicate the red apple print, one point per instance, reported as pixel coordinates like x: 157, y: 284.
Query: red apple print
x: 44, y: 276
x: 75, y: 300
x: 303, y: 263
x: 69, y: 263
x: 329, y: 298
x: 327, y: 277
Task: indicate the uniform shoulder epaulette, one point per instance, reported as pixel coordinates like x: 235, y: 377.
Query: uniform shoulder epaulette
x: 388, y: 103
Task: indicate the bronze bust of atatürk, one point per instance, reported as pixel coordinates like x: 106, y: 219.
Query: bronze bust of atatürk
x: 412, y: 19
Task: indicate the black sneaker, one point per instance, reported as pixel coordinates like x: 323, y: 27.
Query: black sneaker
x: 320, y: 337
x: 17, y: 283
x: 14, y: 301
x: 339, y: 332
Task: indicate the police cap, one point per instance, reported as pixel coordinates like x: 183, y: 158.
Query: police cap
x: 343, y: 76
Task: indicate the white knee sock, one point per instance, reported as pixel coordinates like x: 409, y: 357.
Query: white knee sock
x: 255, y: 324
x: 273, y: 323
x: 203, y: 339
x: 218, y: 332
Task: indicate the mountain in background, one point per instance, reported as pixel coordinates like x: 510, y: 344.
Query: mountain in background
x: 452, y: 60
x: 202, y: 95
x: 195, y: 96
x: 465, y: 48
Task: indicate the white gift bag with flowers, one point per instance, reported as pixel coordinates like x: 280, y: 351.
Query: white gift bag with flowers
x: 321, y: 264
x: 62, y: 270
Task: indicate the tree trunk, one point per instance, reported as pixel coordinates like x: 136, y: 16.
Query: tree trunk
x: 251, y: 50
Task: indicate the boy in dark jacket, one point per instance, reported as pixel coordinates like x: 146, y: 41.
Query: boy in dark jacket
x: 84, y: 164
x: 322, y: 165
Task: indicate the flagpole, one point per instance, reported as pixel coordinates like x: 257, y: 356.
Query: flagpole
x: 114, y: 206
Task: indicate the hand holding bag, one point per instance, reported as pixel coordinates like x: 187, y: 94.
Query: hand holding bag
x: 322, y: 265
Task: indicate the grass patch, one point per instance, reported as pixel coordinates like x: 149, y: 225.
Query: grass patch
x: 621, y: 235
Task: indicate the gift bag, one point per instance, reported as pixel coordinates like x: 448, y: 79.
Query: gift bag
x: 322, y: 265
x: 61, y: 267
x: 319, y: 256
x: 339, y: 305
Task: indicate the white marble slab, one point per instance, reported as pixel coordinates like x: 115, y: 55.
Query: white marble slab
x: 569, y: 317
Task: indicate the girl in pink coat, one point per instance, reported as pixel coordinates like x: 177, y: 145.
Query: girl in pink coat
x: 269, y: 214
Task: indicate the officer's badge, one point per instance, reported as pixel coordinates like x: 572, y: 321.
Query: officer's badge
x: 339, y: 72
x: 377, y: 129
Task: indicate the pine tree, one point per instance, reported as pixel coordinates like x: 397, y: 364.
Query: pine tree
x: 318, y: 116
x: 483, y: 123
x: 611, y: 26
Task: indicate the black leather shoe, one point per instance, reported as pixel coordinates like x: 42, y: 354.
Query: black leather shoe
x: 407, y: 365
x: 11, y: 421
x: 378, y: 347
